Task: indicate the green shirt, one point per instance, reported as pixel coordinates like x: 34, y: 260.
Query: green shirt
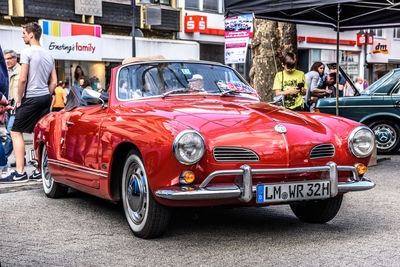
x: 289, y: 81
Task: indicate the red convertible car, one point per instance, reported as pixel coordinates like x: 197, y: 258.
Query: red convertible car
x: 194, y: 133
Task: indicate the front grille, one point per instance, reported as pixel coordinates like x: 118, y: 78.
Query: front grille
x: 234, y: 154
x: 322, y: 151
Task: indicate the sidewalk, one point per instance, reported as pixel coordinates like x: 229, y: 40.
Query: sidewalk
x: 13, y: 187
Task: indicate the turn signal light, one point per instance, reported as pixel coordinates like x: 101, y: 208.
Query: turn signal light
x: 361, y: 168
x: 187, y: 177
x: 317, y: 110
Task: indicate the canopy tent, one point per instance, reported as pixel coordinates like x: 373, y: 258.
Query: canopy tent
x: 354, y: 14
x: 338, y: 14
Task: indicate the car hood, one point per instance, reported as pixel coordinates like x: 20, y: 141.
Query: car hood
x: 227, y: 114
x: 250, y: 125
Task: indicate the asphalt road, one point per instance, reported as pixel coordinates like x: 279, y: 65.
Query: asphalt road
x: 82, y: 230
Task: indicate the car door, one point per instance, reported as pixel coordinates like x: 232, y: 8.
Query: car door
x: 396, y: 99
x: 79, y: 145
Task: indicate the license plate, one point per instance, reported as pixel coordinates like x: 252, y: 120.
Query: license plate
x: 284, y: 192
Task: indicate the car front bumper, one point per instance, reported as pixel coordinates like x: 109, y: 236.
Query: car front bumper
x: 245, y: 191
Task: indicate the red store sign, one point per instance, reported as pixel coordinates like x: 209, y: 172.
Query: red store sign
x: 361, y: 39
x: 196, y: 23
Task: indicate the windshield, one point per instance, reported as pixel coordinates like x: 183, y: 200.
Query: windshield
x: 384, y: 84
x: 172, y: 78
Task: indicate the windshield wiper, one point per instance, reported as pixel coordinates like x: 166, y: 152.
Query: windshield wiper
x: 182, y: 90
x: 235, y: 91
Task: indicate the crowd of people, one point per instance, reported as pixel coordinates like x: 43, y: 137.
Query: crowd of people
x: 301, y: 91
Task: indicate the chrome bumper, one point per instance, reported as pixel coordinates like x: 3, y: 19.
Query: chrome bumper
x: 246, y: 190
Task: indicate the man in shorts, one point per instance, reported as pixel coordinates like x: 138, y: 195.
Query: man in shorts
x: 34, y: 96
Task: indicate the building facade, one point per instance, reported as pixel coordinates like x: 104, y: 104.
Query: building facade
x: 157, y: 25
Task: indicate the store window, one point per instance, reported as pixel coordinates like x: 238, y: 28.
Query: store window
x: 210, y: 5
x: 348, y: 60
x: 377, y: 32
x: 214, y: 6
x: 396, y: 33
x: 163, y: 2
x: 192, y: 4
x: 379, y: 70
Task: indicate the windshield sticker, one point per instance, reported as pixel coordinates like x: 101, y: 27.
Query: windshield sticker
x: 186, y: 71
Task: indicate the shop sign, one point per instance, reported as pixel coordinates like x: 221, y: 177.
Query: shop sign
x: 89, y: 7
x: 72, y: 41
x: 196, y: 23
x: 381, y: 47
x: 237, y: 35
x: 361, y: 39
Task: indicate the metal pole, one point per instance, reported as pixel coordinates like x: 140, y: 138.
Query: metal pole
x: 337, y: 59
x: 133, y: 3
x: 365, y: 56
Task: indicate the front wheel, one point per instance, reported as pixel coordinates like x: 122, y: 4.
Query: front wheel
x: 146, y: 217
x: 51, y: 188
x: 317, y: 211
x: 387, y: 135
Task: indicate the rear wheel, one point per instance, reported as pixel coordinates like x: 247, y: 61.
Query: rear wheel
x: 146, y: 217
x: 387, y: 135
x: 317, y: 211
x: 51, y: 188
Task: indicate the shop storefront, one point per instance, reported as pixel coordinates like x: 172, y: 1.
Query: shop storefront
x: 83, y: 45
x: 319, y: 44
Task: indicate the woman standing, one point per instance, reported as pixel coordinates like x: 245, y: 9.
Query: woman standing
x: 78, y: 74
x: 312, y: 79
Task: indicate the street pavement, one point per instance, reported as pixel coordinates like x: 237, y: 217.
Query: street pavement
x: 81, y: 230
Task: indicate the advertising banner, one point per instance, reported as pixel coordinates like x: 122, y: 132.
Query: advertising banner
x: 72, y: 41
x: 381, y: 47
x: 237, y: 36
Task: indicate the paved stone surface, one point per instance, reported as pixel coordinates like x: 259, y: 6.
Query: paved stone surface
x: 81, y: 230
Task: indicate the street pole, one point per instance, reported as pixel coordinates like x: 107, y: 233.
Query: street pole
x: 365, y: 56
x: 337, y: 59
x: 133, y: 3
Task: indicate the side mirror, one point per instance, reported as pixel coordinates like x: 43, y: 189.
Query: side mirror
x: 91, y: 96
x: 279, y: 100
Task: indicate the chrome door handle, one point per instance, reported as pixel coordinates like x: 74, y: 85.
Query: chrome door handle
x: 397, y: 103
x: 69, y: 123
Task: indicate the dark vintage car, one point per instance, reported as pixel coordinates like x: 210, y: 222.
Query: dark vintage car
x: 192, y: 133
x: 379, y: 108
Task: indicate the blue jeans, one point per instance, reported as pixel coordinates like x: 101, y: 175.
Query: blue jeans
x: 8, y: 145
x: 3, y: 158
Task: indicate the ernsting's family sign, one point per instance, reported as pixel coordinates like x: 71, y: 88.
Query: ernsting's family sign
x: 72, y: 41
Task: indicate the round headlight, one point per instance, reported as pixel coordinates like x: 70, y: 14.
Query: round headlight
x: 188, y: 147
x: 361, y: 142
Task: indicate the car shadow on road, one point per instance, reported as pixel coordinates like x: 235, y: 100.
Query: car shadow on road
x: 220, y: 222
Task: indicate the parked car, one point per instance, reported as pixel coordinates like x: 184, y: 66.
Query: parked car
x: 378, y: 107
x: 193, y: 133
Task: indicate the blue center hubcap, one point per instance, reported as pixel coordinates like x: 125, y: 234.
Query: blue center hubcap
x: 383, y: 135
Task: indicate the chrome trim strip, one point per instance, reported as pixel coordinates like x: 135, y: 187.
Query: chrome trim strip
x: 325, y: 148
x: 362, y: 185
x: 231, y: 154
x: 216, y: 193
x: 77, y: 168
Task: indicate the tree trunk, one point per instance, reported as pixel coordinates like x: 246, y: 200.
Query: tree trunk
x: 270, y: 42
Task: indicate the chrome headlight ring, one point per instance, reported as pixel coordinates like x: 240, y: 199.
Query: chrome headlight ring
x: 188, y: 147
x: 361, y: 142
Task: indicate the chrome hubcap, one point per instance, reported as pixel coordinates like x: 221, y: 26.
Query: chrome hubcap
x: 47, y: 179
x: 136, y: 193
x: 385, y: 136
